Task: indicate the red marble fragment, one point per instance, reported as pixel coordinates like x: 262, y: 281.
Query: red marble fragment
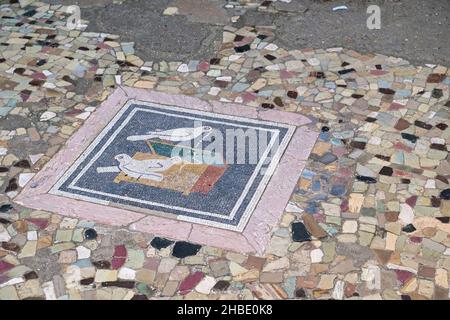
x: 103, y: 45
x: 5, y: 266
x: 248, y: 97
x: 400, y: 173
x: 396, y: 106
x: 190, y: 282
x: 403, y: 276
x: 119, y: 257
x: 208, y: 178
x: 344, y: 206
x: 378, y: 72
x: 38, y: 222
x: 401, y: 146
x: 203, y: 66
x: 411, y: 201
x: 415, y: 239
x: 38, y: 76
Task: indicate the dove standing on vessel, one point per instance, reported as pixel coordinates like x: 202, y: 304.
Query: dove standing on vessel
x: 146, y: 169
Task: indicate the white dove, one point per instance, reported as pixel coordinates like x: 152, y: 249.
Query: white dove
x: 147, y: 169
x: 175, y: 135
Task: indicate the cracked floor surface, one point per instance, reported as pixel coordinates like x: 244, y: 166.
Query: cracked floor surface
x: 369, y: 218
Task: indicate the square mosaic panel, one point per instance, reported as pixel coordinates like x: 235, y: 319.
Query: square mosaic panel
x: 173, y: 166
x: 155, y: 159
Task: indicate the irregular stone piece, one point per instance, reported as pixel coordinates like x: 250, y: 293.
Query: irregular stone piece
x: 183, y: 249
x: 160, y: 243
x: 190, y: 282
x: 299, y: 232
x: 313, y: 227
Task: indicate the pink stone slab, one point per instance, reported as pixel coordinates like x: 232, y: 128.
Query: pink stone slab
x: 255, y: 236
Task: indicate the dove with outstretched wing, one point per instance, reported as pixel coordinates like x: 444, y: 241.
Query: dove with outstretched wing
x: 174, y: 135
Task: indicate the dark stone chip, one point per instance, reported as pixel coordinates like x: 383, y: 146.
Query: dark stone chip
x: 299, y: 232
x: 30, y: 13
x: 19, y: 70
x: 435, y: 202
x: 267, y: 106
x: 442, y: 126
x: 221, y: 83
x: 317, y: 74
x: 238, y: 38
x: 445, y: 194
x: 410, y: 137
x: 36, y: 83
x: 183, y: 249
x: 83, y: 48
x: 300, y: 293
x: 160, y: 243
x: 292, y: 94
x: 444, y: 219
x: 405, y: 297
x: 423, y: 125
x: 278, y: 101
x: 87, y: 281
x: 261, y: 36
x: 90, y: 234
x: 242, y: 48
x: 12, y: 185
x: 447, y: 104
x: 344, y: 64
x: 5, y: 207
x: 358, y: 144
x: 22, y: 164
x: 442, y: 178
x: 102, y: 264
x: 2, y: 60
x: 139, y: 297
x: 405, y: 181
x: 437, y: 146
x: 30, y: 275
x: 41, y: 62
x: 357, y: 96
x: 270, y: 57
x: 120, y: 284
x: 221, y: 285
x: 409, y: 228
x: 436, y: 77
x: 386, y: 91
x: 4, y: 221
x: 436, y: 93
x: 266, y: 3
x: 11, y: 246
x: 386, y: 171
x: 378, y: 66
x: 325, y: 129
x: 345, y: 71
x: 214, y: 61
x: 382, y: 157
x: 370, y: 119
x: 366, y: 179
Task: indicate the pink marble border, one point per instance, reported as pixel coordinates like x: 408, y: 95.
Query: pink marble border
x: 268, y: 211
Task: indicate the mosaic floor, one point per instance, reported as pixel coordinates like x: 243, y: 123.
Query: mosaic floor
x: 357, y: 207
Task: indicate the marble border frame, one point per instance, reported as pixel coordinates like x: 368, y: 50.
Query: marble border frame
x: 255, y: 236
